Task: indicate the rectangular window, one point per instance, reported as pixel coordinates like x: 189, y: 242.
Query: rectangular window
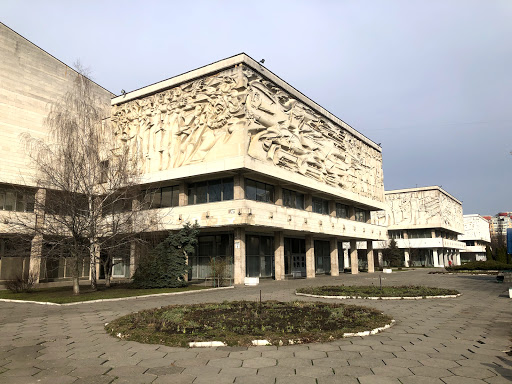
x: 258, y: 191
x: 360, y: 215
x: 161, y: 197
x: 10, y: 201
x: 293, y: 199
x: 320, y: 206
x: 2, y: 200
x: 341, y: 211
x: 210, y: 191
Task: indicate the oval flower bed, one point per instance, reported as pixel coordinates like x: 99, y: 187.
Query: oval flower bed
x: 246, y: 323
x: 375, y: 292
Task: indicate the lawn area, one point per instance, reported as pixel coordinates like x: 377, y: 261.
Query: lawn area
x: 240, y: 322
x: 64, y: 295
x: 375, y: 291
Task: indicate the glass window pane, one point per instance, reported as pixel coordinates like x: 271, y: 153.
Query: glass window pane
x: 253, y: 245
x: 261, y: 193
x: 30, y: 199
x: 214, y: 190
x: 287, y: 198
x: 201, y: 193
x: 166, y: 197
x: 299, y: 202
x: 227, y: 189
x: 9, y: 201
x: 270, y: 193
x: 2, y: 200
x: 20, y: 203
x: 250, y: 189
x: 191, y: 194
x: 175, y: 200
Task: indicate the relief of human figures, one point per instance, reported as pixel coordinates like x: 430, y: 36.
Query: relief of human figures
x: 211, y: 117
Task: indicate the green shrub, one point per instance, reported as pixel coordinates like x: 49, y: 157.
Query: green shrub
x: 491, y: 265
x: 166, y: 265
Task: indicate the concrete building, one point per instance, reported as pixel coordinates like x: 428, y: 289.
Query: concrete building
x: 276, y: 182
x: 425, y: 223
x: 476, y: 237
x: 30, y: 79
x: 499, y: 223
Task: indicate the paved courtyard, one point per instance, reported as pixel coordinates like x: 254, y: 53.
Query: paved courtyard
x: 462, y: 340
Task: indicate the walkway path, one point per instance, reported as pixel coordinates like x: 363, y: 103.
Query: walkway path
x: 448, y: 341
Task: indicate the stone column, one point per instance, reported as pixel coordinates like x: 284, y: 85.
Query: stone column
x: 346, y: 258
x: 335, y: 268
x: 279, y: 255
x: 351, y: 214
x: 183, y: 194
x: 238, y: 187
x: 441, y: 257
x: 278, y: 195
x: 134, y: 256
x: 36, y: 246
x: 239, y: 267
x: 308, y: 202
x: 354, y: 264
x: 457, y: 258
x: 380, y: 256
x: 369, y: 256
x: 435, y: 257
x: 406, y: 258
x: 446, y: 253
x: 310, y: 257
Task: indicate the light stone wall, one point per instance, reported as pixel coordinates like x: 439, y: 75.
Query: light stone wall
x: 420, y: 208
x: 239, y: 112
x: 30, y: 78
x: 475, y: 228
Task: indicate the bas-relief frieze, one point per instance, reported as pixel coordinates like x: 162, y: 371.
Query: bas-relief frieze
x: 208, y: 118
x: 424, y: 208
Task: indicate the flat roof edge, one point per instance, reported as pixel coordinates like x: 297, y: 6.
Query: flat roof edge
x: 418, y: 189
x: 224, y: 64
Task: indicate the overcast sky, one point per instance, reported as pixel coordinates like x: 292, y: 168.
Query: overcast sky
x: 431, y: 80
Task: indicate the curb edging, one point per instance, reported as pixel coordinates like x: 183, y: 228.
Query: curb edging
x: 379, y: 298
x: 115, y: 299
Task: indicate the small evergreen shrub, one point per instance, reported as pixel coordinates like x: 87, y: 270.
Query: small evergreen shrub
x: 166, y: 265
x: 489, y: 265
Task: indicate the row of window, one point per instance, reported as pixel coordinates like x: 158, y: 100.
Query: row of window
x: 222, y: 190
x: 16, y: 201
x: 421, y: 234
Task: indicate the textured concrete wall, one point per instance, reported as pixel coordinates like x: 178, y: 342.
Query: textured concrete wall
x: 30, y: 78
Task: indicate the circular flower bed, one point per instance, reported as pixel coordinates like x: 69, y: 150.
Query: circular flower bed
x: 371, y: 292
x: 244, y: 322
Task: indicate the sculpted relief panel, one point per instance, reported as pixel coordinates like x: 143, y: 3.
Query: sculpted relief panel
x: 425, y: 208
x: 209, y: 118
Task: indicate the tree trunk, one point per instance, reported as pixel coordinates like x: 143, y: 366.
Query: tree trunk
x: 76, y: 285
x: 92, y: 256
x: 107, y: 279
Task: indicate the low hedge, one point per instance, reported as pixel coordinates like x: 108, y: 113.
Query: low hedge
x: 490, y: 265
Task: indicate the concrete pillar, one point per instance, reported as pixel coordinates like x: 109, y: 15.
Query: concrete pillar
x: 279, y: 255
x: 446, y: 253
x: 238, y: 187
x: 369, y: 256
x: 406, y: 258
x: 433, y: 233
x: 308, y: 202
x: 310, y: 257
x: 36, y: 252
x: 183, y: 194
x: 457, y: 258
x: 332, y: 208
x: 36, y: 247
x: 278, y: 195
x: 351, y: 214
x: 354, y: 264
x: 435, y: 257
x: 239, y: 250
x: 380, y: 257
x: 441, y: 257
x: 335, y: 268
x: 134, y: 256
x: 346, y: 258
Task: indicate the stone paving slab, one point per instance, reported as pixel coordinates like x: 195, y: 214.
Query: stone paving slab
x: 460, y: 340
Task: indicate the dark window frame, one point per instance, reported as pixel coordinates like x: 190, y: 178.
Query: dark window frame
x: 226, y: 190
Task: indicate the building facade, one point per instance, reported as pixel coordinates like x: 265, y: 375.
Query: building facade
x: 30, y: 79
x: 476, y: 237
x: 276, y: 183
x: 425, y: 223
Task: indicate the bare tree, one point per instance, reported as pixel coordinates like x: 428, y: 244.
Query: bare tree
x: 90, y: 179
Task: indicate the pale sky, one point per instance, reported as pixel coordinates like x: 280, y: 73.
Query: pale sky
x: 429, y: 79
